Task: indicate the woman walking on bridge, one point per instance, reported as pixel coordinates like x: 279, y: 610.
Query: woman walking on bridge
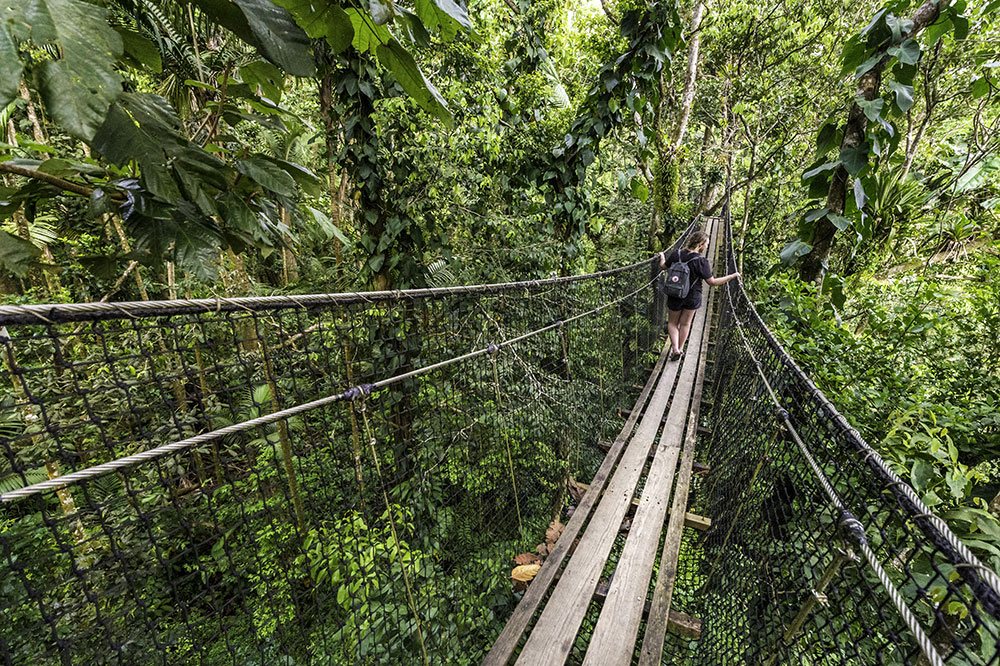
x: 682, y: 304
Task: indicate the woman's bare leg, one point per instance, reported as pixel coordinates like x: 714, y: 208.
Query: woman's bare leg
x: 683, y: 326
x: 673, y: 329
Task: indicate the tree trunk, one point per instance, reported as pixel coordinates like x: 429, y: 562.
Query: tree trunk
x: 814, y: 264
x: 691, y: 79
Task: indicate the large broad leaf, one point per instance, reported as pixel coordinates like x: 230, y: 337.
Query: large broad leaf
x: 904, y: 95
x: 269, y: 175
x: 399, y: 61
x: 368, y: 36
x: 872, y: 108
x: 324, y: 20
x: 16, y: 254
x: 908, y: 52
x: 10, y: 68
x: 143, y: 127
x: 444, y: 16
x: 854, y: 158
x: 140, y: 52
x: 268, y: 27
x: 80, y: 84
x: 829, y: 138
x: 794, y: 251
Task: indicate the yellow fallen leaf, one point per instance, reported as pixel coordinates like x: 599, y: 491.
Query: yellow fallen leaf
x: 525, y: 572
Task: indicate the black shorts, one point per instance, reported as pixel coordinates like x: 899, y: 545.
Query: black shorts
x: 690, y: 302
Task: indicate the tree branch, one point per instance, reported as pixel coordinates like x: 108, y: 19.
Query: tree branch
x: 56, y: 181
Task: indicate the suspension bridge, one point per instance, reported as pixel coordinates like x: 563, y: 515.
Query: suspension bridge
x: 355, y: 478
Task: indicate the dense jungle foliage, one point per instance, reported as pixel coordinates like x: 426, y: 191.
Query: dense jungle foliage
x: 156, y: 150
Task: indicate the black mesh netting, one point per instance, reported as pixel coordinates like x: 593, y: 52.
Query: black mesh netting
x: 776, y: 580
x: 378, y: 527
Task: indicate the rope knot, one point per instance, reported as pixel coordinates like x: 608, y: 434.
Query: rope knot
x: 852, y: 529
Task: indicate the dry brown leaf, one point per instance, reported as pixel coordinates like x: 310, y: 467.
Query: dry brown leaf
x: 542, y: 549
x: 526, y: 558
x: 552, y: 534
x: 576, y: 491
x: 525, y: 572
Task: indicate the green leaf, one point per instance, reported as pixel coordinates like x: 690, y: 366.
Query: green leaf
x: 908, y: 52
x: 16, y: 254
x: 303, y: 177
x: 867, y: 65
x: 445, y: 16
x: 860, y: 197
x: 262, y: 75
x: 399, y: 61
x: 143, y: 127
x: 833, y: 285
x: 381, y: 11
x: 815, y: 214
x: 10, y: 68
x: 904, y: 96
x: 815, y: 171
x: 140, y: 52
x: 921, y: 474
x: 268, y: 27
x: 828, y: 139
x: 794, y: 251
x: 639, y: 189
x: 854, y: 158
x: 79, y: 84
x: 324, y: 20
x: 268, y: 175
x: 961, y: 24
x: 980, y: 87
x: 839, y: 221
x: 854, y: 54
x: 872, y: 108
x: 367, y: 35
x: 937, y: 30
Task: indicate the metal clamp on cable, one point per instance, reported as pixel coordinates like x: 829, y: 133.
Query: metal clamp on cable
x: 781, y: 414
x: 851, y: 528
x: 359, y: 391
x: 493, y: 349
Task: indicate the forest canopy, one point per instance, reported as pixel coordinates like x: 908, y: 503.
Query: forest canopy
x: 246, y: 147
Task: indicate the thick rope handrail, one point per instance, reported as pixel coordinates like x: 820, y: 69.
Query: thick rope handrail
x: 935, y: 528
x: 56, y: 313
x: 353, y: 393
x: 854, y: 528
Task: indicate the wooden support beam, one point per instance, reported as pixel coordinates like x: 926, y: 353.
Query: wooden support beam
x: 679, y: 624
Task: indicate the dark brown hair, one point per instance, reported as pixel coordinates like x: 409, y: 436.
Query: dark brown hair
x: 695, y: 241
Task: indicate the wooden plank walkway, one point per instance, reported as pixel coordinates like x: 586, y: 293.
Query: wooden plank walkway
x: 598, y: 519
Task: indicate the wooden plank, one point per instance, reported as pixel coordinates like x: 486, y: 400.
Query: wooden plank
x: 651, y: 652
x: 508, y: 639
x: 692, y: 520
x: 552, y: 637
x: 614, y: 638
x: 628, y: 412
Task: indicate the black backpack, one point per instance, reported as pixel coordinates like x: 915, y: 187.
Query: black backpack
x: 678, y: 281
